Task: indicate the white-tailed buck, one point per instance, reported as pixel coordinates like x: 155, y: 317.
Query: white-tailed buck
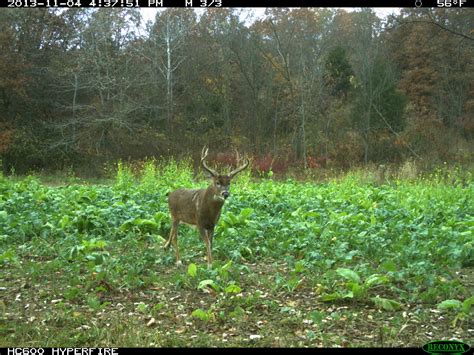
x: 201, y: 208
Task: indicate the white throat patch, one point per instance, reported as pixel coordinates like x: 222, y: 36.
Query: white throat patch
x: 219, y: 198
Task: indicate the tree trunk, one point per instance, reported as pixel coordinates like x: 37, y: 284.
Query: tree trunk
x: 303, y: 133
x: 73, y: 126
x: 169, y: 78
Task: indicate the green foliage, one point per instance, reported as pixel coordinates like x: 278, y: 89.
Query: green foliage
x: 203, y: 315
x: 361, y: 242
x: 208, y: 283
x: 389, y: 102
x: 95, y: 304
x: 349, y: 274
x: 339, y: 71
x: 353, y: 288
x: 192, y: 269
x: 8, y: 256
x: 125, y: 178
x: 462, y: 310
x: 386, y: 304
x: 45, y: 84
x: 450, y: 304
x: 142, y: 307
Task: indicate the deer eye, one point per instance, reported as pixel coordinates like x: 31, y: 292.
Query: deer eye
x: 218, y: 184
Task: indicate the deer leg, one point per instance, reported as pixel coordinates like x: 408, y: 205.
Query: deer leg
x: 210, y: 233
x: 173, y: 239
x: 209, y: 248
x: 176, y: 249
x: 207, y: 238
x: 170, y: 237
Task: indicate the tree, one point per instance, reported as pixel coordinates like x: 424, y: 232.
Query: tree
x: 85, y: 86
x: 377, y: 104
x: 338, y: 72
x: 434, y: 56
x: 167, y: 37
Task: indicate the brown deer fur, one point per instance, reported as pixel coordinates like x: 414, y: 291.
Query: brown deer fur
x: 199, y: 207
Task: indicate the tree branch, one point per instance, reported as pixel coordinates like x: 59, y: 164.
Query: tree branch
x: 393, y: 131
x: 437, y: 24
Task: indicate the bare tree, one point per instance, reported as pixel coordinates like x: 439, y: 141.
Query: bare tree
x: 167, y: 37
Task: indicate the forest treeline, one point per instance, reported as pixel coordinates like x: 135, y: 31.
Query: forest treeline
x: 306, y: 87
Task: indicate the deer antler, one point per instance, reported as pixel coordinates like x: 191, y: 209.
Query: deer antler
x: 204, y: 152
x: 233, y: 172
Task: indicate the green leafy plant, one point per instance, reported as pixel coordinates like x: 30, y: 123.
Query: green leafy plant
x: 203, y: 315
x: 346, y: 240
x: 386, y: 304
x: 354, y: 288
x: 192, y: 270
x: 8, y: 256
x: 463, y: 310
x: 95, y: 304
x: 142, y: 307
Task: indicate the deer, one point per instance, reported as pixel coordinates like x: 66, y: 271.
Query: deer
x: 200, y: 207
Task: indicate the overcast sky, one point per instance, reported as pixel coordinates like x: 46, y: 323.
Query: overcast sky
x: 149, y: 13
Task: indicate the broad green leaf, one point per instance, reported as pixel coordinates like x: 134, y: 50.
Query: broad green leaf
x: 7, y: 256
x: 65, y: 222
x: 246, y: 212
x: 331, y: 297
x: 386, y: 304
x: 373, y: 220
x: 313, y: 214
x: 296, y: 212
x: 192, y: 269
x: 316, y: 316
x: 3, y: 215
x: 226, y: 266
x: 201, y: 314
x: 376, y: 279
x: 466, y: 305
x: 205, y: 283
x: 357, y: 290
x: 348, y: 274
x: 160, y: 216
x: 127, y: 225
x: 145, y: 224
x: 450, y: 304
x: 232, y: 218
x: 389, y: 266
x: 232, y: 289
x: 74, y: 252
x: 349, y: 294
x: 142, y: 307
x: 299, y: 266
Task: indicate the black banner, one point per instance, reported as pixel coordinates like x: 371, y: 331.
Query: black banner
x: 152, y: 351
x: 235, y: 3
x: 60, y: 351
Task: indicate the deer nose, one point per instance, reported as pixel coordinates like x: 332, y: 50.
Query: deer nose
x: 225, y: 194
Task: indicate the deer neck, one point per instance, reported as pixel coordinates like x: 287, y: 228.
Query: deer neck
x: 213, y: 197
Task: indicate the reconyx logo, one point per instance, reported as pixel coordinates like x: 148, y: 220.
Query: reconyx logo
x: 445, y: 347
